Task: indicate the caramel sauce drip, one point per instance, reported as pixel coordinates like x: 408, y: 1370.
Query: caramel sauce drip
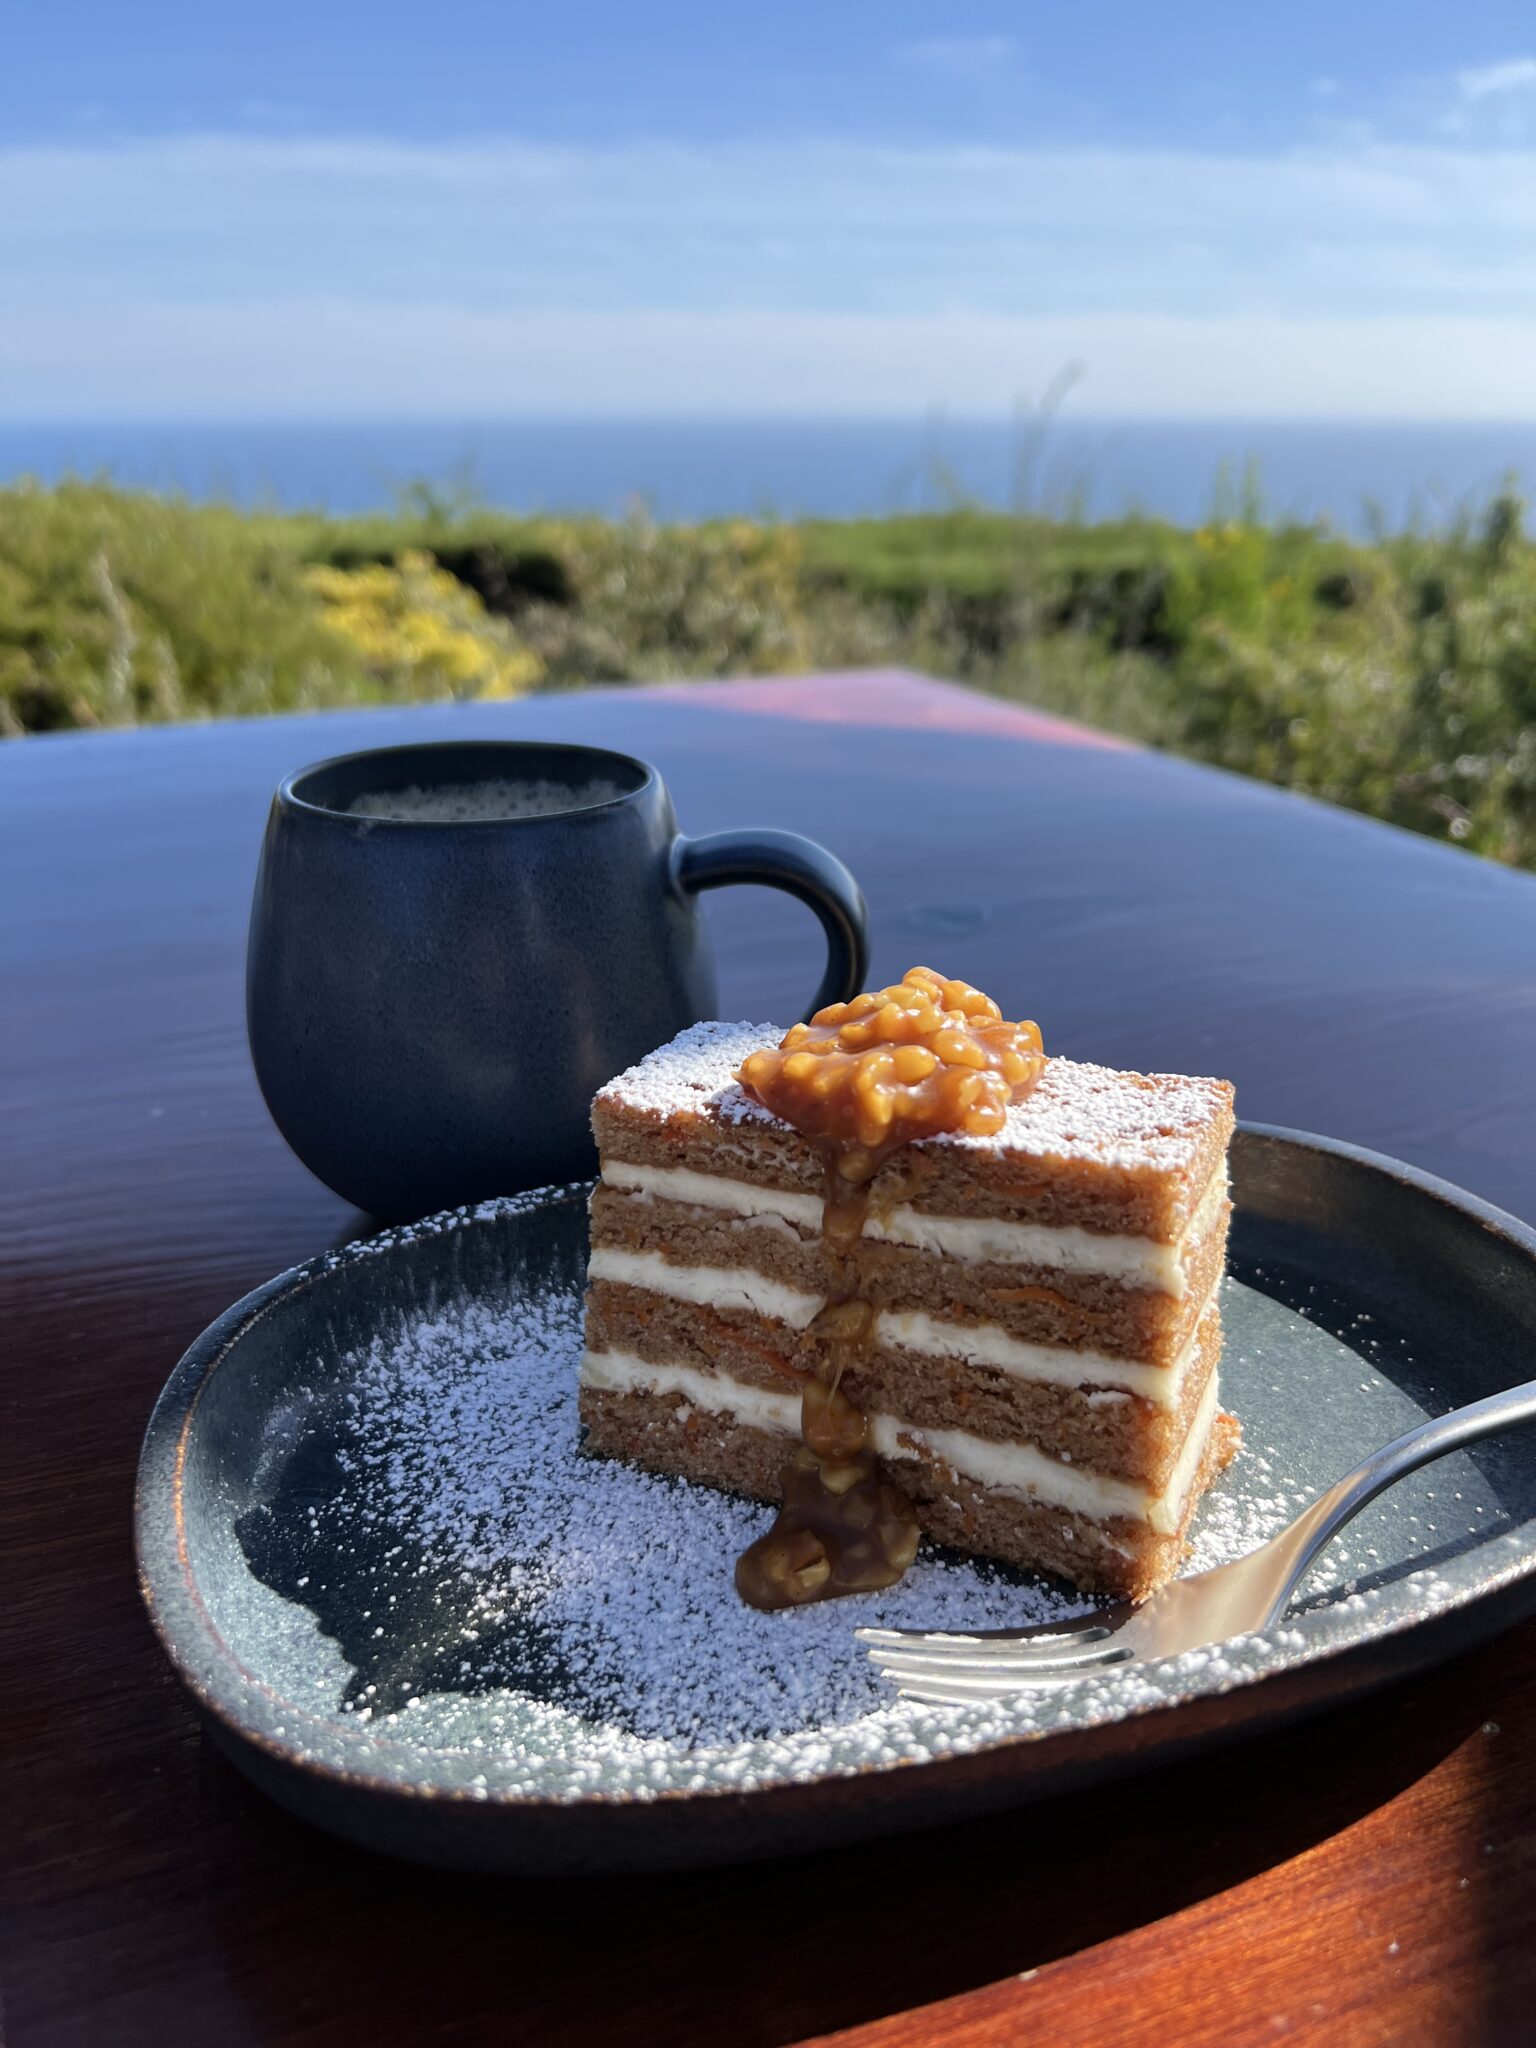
x: 859, y: 1082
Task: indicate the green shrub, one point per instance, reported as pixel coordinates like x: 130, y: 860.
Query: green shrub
x: 650, y: 601
x: 115, y: 608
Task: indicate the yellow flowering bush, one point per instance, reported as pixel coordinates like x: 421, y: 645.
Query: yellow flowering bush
x: 420, y: 631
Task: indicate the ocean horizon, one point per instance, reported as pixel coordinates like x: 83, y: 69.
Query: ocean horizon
x: 1355, y: 476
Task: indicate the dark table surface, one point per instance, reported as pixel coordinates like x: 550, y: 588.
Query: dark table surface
x: 1370, y: 1876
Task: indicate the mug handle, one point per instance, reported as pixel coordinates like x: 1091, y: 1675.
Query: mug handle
x: 784, y: 860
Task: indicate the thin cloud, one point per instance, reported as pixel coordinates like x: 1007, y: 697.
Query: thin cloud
x: 159, y: 273
x: 956, y: 56
x: 853, y: 227
x: 1495, y: 81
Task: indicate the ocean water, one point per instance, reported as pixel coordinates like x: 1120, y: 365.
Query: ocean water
x: 1352, y: 475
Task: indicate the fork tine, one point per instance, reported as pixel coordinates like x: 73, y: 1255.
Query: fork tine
x: 963, y: 1688
x: 977, y: 1648
x: 930, y: 1686
x: 1012, y: 1671
x: 998, y: 1656
x: 1093, y: 1621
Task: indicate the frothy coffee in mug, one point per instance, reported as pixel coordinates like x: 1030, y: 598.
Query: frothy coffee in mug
x: 472, y: 803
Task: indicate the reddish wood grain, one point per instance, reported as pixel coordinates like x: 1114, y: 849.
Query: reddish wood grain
x: 889, y: 698
x: 1368, y: 1878
x: 1410, y: 1923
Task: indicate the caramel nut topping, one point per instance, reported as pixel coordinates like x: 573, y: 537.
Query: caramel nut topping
x: 842, y: 1529
x: 859, y: 1081
x: 897, y: 1064
x: 830, y: 1425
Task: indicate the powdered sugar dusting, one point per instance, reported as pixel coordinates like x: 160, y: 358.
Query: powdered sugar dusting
x: 1076, y: 1112
x: 602, y: 1592
x: 1085, y: 1113
x: 696, y: 1074
x: 575, y: 1619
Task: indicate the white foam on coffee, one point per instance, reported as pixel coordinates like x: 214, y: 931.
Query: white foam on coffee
x: 469, y: 803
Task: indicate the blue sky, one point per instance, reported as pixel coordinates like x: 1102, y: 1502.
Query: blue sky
x: 1210, y: 211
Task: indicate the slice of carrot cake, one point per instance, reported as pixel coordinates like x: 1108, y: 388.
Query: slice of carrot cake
x: 901, y: 1272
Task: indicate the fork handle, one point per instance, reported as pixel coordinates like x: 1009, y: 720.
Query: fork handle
x: 1317, y: 1525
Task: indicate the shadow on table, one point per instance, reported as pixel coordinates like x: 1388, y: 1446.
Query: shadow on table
x: 769, y: 1953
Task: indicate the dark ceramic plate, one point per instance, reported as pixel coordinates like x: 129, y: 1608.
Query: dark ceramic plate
x: 416, y: 1615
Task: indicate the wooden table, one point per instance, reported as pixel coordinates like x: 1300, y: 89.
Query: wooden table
x: 1368, y: 1877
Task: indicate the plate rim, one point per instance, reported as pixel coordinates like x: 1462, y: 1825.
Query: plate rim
x: 173, y: 1601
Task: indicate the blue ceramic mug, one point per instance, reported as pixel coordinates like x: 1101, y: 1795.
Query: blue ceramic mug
x: 433, y: 999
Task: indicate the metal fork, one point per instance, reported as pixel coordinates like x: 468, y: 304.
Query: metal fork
x: 1233, y: 1599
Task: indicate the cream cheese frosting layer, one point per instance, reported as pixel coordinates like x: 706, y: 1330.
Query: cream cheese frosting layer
x: 1016, y: 1469
x: 741, y: 1287
x: 705, y: 1286
x: 975, y: 1240
x: 621, y: 1372
x: 1053, y: 1365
